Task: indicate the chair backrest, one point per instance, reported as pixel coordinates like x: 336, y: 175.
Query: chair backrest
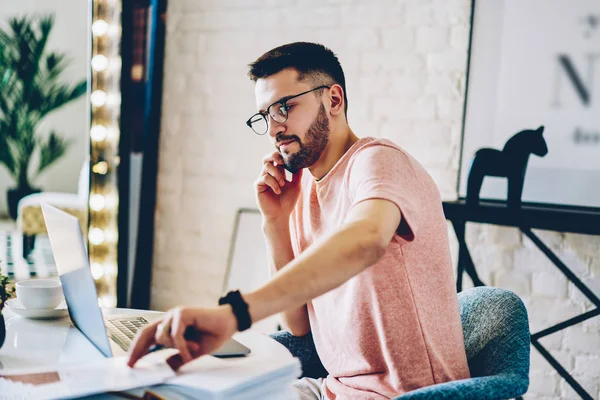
x: 496, y: 331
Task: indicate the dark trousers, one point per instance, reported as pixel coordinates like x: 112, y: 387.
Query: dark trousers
x: 303, y: 348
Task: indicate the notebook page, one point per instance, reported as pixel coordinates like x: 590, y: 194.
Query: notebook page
x: 107, y: 375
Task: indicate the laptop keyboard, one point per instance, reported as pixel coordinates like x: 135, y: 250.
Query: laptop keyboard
x: 123, y: 330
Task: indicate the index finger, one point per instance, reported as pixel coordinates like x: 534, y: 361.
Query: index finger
x: 274, y: 157
x: 141, y: 343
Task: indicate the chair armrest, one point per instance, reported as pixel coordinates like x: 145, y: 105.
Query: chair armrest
x: 498, y: 387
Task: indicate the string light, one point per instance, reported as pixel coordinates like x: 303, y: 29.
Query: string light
x: 98, y: 98
x: 115, y: 63
x: 105, y: 135
x: 110, y: 235
x: 96, y: 236
x: 99, y: 62
x: 100, y: 28
x: 114, y: 30
x: 112, y: 201
x: 97, y: 270
x: 100, y: 168
x: 110, y: 269
x: 113, y: 99
x: 107, y: 301
x: 98, y: 133
x: 112, y: 133
x: 97, y: 202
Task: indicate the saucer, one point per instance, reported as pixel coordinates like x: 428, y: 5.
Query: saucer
x: 15, y: 306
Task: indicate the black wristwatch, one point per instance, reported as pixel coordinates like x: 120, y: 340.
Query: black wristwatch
x: 239, y: 307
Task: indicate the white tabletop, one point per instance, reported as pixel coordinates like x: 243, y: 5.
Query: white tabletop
x: 48, y: 343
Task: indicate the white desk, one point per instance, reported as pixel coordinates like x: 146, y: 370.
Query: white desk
x: 52, y: 343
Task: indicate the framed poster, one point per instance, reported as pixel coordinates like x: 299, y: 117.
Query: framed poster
x: 534, y: 63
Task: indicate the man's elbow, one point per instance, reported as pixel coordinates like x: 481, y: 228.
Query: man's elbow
x: 296, y: 328
x: 373, y: 243
x: 299, y: 332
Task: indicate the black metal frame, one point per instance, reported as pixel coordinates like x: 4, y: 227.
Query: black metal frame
x: 142, y: 277
x: 125, y: 143
x: 561, y: 219
x: 464, y: 115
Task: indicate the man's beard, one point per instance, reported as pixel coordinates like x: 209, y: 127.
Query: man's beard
x: 316, y: 139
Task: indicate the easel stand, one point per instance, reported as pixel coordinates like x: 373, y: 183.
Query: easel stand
x: 552, y: 218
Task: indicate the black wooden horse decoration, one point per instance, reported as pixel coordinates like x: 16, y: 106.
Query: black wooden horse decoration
x: 511, y: 163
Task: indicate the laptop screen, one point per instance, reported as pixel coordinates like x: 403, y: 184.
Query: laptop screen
x: 70, y: 256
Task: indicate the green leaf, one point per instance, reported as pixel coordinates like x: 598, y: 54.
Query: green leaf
x: 51, y: 150
x: 6, y: 156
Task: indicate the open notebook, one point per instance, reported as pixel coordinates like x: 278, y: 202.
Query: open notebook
x: 257, y: 376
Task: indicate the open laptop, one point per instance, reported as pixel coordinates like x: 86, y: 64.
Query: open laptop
x: 111, y: 334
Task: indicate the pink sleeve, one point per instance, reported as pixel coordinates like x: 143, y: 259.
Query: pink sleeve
x: 385, y: 172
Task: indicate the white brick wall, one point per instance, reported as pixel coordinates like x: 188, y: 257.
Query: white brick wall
x: 405, y: 63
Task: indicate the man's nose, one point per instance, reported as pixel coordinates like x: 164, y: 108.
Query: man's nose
x: 275, y: 128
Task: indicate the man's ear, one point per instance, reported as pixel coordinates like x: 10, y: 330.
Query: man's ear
x: 336, y: 96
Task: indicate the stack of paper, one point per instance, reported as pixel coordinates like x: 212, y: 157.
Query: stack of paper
x: 256, y: 376
x: 251, y: 377
x: 106, y: 375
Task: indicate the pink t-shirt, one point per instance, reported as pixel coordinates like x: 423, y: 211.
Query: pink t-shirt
x: 395, y: 327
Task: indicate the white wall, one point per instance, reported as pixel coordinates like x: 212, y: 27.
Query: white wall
x: 70, y: 34
x: 405, y: 64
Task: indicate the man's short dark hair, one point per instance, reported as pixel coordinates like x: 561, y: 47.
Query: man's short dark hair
x: 313, y: 61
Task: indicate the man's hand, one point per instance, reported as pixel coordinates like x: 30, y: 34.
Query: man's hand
x: 275, y: 196
x: 192, y: 331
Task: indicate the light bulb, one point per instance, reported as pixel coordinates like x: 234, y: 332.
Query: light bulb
x: 115, y: 63
x: 114, y: 99
x: 98, y: 98
x: 110, y: 235
x: 97, y: 202
x: 114, y: 30
x: 107, y: 301
x: 111, y: 201
x: 97, y: 270
x: 99, y: 62
x: 100, y: 27
x: 110, y: 269
x: 98, y: 133
x: 137, y: 72
x: 113, y: 133
x: 96, y: 236
x: 100, y: 168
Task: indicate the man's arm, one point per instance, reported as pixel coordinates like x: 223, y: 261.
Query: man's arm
x: 324, y: 266
x: 330, y: 262
x: 279, y: 247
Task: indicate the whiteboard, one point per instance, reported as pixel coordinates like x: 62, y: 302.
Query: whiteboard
x: 532, y: 63
x: 248, y: 266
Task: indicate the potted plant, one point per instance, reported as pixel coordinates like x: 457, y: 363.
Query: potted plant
x: 31, y: 87
x: 7, y: 290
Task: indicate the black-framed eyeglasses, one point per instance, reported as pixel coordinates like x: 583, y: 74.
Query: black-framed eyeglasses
x: 278, y: 111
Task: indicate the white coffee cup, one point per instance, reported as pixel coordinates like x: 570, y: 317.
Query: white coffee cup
x: 39, y: 293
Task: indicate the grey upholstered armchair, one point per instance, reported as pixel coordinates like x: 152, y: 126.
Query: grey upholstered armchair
x: 496, y: 331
